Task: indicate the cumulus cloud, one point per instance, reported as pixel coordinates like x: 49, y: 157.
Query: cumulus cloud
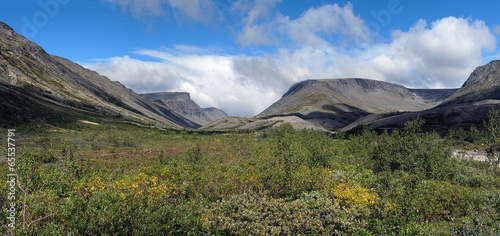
x: 330, y: 21
x: 442, y: 55
x: 318, y: 44
x: 259, y: 22
x: 228, y: 82
x: 315, y: 27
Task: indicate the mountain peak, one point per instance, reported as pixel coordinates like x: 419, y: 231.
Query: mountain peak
x: 298, y: 86
x: 482, y: 84
x: 482, y: 72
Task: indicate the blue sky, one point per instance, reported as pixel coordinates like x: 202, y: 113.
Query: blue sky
x: 242, y: 55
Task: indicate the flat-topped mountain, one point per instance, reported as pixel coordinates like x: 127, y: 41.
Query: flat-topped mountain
x: 186, y: 111
x: 335, y: 103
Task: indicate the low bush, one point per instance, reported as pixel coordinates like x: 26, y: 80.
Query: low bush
x: 285, y: 182
x: 249, y: 214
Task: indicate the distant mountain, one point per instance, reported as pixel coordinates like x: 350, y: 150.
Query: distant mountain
x: 38, y: 87
x: 469, y: 105
x: 185, y: 110
x: 214, y: 113
x: 336, y: 103
x: 434, y: 96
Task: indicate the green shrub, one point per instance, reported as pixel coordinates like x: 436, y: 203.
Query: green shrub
x: 493, y: 137
x: 476, y: 226
x: 284, y: 182
x: 468, y: 175
x: 250, y: 214
x: 413, y: 151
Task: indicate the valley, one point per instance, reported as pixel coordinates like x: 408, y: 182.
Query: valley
x: 346, y: 156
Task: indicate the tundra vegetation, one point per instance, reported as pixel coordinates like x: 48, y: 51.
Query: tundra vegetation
x: 122, y: 179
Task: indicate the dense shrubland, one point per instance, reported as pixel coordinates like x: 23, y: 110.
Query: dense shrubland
x: 122, y: 179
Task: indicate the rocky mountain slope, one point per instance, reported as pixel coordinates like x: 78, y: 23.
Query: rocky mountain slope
x: 336, y: 103
x: 482, y: 84
x: 37, y: 86
x: 469, y: 105
x: 185, y: 110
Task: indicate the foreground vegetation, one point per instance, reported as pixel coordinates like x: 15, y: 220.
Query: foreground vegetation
x: 122, y: 179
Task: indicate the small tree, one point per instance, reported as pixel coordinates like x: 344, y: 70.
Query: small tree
x: 493, y: 136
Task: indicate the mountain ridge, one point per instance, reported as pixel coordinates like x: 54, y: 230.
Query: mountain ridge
x: 482, y: 84
x: 470, y: 105
x: 56, y: 84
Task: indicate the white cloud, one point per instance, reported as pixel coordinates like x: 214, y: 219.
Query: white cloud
x: 193, y: 9
x: 259, y: 22
x: 315, y: 27
x: 327, y: 42
x: 212, y: 80
x: 255, y: 35
x: 442, y: 55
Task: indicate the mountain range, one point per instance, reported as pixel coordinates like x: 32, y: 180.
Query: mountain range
x: 469, y: 105
x: 38, y: 87
x: 348, y: 103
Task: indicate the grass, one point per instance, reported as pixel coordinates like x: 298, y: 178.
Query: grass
x: 117, y: 178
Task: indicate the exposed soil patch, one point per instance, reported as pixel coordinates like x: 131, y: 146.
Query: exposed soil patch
x: 470, y: 155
